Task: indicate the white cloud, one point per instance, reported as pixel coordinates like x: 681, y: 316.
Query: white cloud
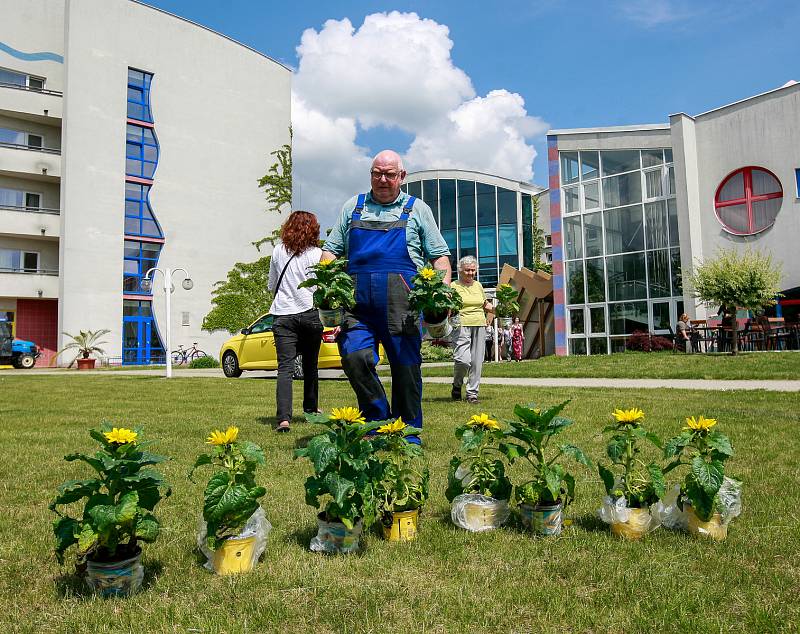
x: 395, y: 71
x: 654, y: 13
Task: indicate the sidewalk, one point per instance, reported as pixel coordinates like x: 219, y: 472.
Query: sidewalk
x: 646, y: 384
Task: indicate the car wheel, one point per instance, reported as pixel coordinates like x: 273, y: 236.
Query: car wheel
x: 297, y: 374
x: 26, y: 361
x: 230, y: 365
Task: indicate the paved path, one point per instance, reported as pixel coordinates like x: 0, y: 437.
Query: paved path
x: 659, y: 384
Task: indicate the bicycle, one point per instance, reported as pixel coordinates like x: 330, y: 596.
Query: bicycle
x: 186, y: 355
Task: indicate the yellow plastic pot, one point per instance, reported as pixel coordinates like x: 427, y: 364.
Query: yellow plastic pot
x: 635, y: 528
x: 712, y: 529
x: 404, y: 526
x: 234, y: 556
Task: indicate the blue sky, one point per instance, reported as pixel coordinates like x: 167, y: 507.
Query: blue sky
x: 575, y: 64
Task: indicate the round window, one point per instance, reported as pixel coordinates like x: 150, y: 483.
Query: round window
x: 748, y: 200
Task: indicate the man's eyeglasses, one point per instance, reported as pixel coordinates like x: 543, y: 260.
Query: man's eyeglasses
x: 389, y: 176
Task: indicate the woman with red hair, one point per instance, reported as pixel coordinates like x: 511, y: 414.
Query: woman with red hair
x: 296, y: 326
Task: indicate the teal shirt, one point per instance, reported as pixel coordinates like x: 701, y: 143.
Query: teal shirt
x: 425, y: 242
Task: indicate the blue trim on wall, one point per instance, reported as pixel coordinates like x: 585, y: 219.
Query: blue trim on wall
x: 44, y: 56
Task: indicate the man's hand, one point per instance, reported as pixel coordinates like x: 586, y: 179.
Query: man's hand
x: 441, y: 263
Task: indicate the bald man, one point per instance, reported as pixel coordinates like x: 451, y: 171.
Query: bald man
x: 386, y: 236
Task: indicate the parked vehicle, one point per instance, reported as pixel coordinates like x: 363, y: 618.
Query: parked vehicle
x: 254, y: 349
x: 16, y: 352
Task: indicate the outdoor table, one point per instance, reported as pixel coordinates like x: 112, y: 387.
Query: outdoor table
x: 709, y: 337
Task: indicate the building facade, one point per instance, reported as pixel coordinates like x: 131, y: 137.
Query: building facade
x: 142, y: 149
x: 634, y: 208
x: 486, y: 216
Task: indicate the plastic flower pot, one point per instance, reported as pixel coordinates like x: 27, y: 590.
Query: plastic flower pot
x: 86, y: 364
x: 116, y: 578
x: 542, y: 519
x: 455, y: 320
x: 403, y: 527
x: 438, y: 330
x: 234, y: 556
x: 334, y: 537
x: 477, y: 513
x: 636, y: 527
x: 714, y: 528
x: 331, y: 318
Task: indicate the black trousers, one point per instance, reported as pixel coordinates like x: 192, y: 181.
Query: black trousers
x: 298, y: 334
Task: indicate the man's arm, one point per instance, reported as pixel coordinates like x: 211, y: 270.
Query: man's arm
x: 442, y: 263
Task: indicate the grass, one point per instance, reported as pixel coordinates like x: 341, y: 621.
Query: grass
x: 655, y: 365
x: 447, y: 581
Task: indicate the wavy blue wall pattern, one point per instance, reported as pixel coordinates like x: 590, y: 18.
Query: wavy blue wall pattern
x: 44, y: 56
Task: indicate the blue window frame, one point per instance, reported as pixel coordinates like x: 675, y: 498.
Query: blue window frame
x: 797, y: 179
x: 141, y: 342
x: 139, y: 258
x: 139, y: 95
x: 141, y: 152
x: 139, y: 219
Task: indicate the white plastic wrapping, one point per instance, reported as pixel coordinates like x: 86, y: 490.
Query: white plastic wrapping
x: 668, y: 512
x: 257, y: 526
x: 335, y: 537
x: 730, y: 498
x: 616, y: 511
x: 117, y: 579
x: 478, y: 513
x: 675, y: 518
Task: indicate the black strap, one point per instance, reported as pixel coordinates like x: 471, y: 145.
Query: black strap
x: 280, y: 278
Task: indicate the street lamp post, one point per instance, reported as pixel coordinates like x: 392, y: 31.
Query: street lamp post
x: 147, y: 285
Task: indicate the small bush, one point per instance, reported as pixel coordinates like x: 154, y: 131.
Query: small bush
x: 647, y: 342
x: 434, y: 351
x: 203, y: 362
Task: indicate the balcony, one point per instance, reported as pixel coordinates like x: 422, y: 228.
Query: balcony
x: 29, y: 161
x: 39, y: 105
x: 29, y: 222
x: 29, y: 284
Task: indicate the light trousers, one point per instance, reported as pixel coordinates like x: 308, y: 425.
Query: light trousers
x: 469, y: 350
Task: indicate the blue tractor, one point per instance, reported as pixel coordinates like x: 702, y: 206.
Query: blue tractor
x: 17, y: 352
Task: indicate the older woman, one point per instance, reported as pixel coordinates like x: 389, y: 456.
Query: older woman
x: 470, y: 337
x: 296, y: 327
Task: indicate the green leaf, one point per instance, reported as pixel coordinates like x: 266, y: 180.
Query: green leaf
x: 708, y: 474
x: 217, y: 486
x: 127, y: 508
x: 104, y: 516
x: 702, y: 502
x: 251, y: 452
x: 338, y: 487
x: 147, y: 528
x: 553, y: 480
x: 321, y: 452
x: 607, y: 476
x: 87, y: 538
x: 74, y: 490
x: 94, y: 462
x: 234, y: 499
x: 202, y: 459
x: 511, y: 451
x: 616, y: 448
x: 570, y: 481
x: 470, y: 439
x: 66, y: 531
x: 577, y: 454
x: 654, y: 438
x: 675, y: 445
x: 720, y: 443
x: 657, y: 477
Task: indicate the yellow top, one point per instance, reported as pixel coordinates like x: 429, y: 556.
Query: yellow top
x: 474, y: 298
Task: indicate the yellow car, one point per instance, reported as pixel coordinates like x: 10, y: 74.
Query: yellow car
x: 254, y: 349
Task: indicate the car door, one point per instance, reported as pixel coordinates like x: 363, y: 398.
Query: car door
x: 258, y: 348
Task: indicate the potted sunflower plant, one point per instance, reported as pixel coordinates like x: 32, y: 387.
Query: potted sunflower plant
x: 234, y: 529
x: 346, y: 473
x: 404, y: 485
x: 549, y: 487
x: 435, y: 300
x: 334, y: 291
x: 117, y: 514
x: 507, y: 304
x: 632, y: 484
x: 477, y: 485
x: 708, y: 497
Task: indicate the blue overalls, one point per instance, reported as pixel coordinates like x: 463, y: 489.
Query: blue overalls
x: 382, y: 270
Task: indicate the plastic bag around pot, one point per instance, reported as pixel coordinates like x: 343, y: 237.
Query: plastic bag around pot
x: 673, y: 517
x: 335, y: 537
x: 256, y: 529
x: 630, y: 523
x: 115, y: 579
x: 477, y: 513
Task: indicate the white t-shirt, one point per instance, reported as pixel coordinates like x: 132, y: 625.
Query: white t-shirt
x: 289, y: 299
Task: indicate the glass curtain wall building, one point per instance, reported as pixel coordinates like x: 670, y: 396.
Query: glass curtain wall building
x: 621, y: 249
x: 488, y: 217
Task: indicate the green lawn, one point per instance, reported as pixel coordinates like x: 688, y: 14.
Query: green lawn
x: 652, y: 365
x: 447, y: 581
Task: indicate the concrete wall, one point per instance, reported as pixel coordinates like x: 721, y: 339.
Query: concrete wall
x: 622, y: 140
x: 219, y: 110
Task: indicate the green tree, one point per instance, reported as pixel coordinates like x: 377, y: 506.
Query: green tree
x: 242, y: 298
x: 538, y: 241
x: 277, y: 185
x: 737, y: 280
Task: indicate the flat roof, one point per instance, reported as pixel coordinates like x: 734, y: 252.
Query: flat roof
x: 222, y: 35
x: 786, y: 86
x: 615, y: 128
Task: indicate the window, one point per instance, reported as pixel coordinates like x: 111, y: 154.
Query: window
x: 15, y: 78
x: 797, y: 179
x: 18, y: 198
x: 139, y: 220
x: 139, y: 95
x: 415, y: 189
x: 748, y: 200
x: 140, y: 257
x: 569, y: 167
x: 447, y: 205
x: 141, y: 152
x: 16, y: 261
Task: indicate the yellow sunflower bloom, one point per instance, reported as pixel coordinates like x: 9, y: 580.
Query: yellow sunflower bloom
x: 391, y: 428
x: 120, y: 435
x: 700, y: 423
x: 226, y: 437
x: 348, y: 415
x: 633, y: 415
x: 324, y: 263
x: 427, y: 273
x: 483, y: 420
